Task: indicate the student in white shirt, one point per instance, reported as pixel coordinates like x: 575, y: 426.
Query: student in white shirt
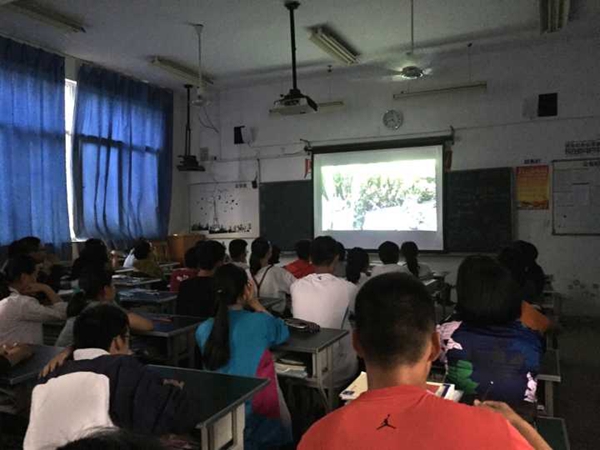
x: 270, y: 281
x: 389, y: 254
x: 21, y: 315
x: 238, y: 252
x: 410, y: 252
x: 357, y: 266
x: 327, y: 300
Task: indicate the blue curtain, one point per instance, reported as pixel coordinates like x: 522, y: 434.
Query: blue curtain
x: 122, y: 145
x: 33, y: 195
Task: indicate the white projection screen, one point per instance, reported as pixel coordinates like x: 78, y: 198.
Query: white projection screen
x: 363, y: 198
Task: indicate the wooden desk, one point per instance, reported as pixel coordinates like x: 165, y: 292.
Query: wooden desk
x: 162, y: 302
x: 179, y: 334
x: 318, y: 345
x: 169, y: 265
x: 550, y: 374
x: 29, y: 370
x: 554, y: 432
x: 124, y: 270
x: 219, y: 399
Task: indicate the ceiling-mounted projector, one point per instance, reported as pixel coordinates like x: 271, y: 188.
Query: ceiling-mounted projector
x: 295, y: 102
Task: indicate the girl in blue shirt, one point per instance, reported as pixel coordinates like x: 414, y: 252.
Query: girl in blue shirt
x: 237, y: 342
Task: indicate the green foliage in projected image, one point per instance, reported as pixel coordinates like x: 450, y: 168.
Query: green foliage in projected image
x: 377, y: 193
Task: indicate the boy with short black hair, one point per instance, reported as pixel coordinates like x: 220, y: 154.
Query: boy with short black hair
x: 328, y: 301
x: 238, y: 252
x: 395, y: 333
x: 389, y: 254
x: 196, y: 297
x: 103, y: 387
x: 302, y: 266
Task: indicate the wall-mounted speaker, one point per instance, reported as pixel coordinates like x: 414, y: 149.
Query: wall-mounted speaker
x: 242, y: 135
x: 547, y: 105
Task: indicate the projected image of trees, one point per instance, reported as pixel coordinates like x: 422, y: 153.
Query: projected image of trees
x: 398, y: 195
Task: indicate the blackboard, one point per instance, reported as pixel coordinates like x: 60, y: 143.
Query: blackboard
x: 479, y: 210
x: 286, y: 212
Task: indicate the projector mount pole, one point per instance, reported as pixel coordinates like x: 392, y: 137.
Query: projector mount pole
x: 188, y: 128
x: 291, y: 6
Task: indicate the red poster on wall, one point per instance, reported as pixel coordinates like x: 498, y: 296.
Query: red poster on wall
x: 533, y: 187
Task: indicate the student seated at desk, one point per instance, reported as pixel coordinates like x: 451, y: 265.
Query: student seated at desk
x: 301, y: 266
x: 269, y: 280
x: 535, y: 278
x: 395, y: 334
x: 145, y: 260
x: 21, y: 315
x: 93, y: 256
x: 237, y: 342
x: 328, y: 301
x: 185, y: 273
x: 514, y: 261
x: 410, y: 252
x: 389, y: 254
x: 238, y: 252
x: 486, y: 349
x: 357, y: 266
x: 104, y: 387
x: 96, y: 288
x: 49, y: 272
x: 196, y: 295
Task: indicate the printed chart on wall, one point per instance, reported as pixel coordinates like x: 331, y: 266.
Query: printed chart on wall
x: 576, y: 196
x: 225, y: 210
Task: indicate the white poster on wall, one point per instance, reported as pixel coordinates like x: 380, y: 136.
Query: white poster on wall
x: 225, y: 210
x: 576, y: 196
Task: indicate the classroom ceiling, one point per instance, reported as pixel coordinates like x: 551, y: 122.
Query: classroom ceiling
x: 247, y: 39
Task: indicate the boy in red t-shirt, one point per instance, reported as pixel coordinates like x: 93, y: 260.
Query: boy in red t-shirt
x: 395, y: 334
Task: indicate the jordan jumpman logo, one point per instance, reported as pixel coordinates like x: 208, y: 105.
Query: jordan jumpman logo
x: 386, y: 423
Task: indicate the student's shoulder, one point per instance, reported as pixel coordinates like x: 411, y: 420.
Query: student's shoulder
x: 470, y: 418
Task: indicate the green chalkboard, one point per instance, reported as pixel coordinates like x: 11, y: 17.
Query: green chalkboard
x: 286, y: 212
x: 479, y: 214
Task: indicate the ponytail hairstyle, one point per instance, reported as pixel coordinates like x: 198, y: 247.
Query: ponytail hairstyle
x: 260, y: 248
x: 91, y: 283
x: 357, y: 262
x: 229, y: 284
x: 410, y: 251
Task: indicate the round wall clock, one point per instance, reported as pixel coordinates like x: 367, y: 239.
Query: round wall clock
x: 392, y: 119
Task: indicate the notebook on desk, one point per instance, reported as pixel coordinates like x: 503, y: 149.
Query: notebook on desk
x: 360, y: 385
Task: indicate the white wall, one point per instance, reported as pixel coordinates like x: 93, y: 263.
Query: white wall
x: 490, y: 131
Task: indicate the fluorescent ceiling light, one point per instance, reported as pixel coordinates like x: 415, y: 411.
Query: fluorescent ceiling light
x: 331, y: 45
x: 478, y: 85
x: 183, y: 72
x: 554, y: 15
x: 45, y: 15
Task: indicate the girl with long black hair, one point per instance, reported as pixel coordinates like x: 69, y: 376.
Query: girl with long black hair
x: 410, y: 252
x: 237, y: 342
x: 357, y: 266
x: 271, y: 281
